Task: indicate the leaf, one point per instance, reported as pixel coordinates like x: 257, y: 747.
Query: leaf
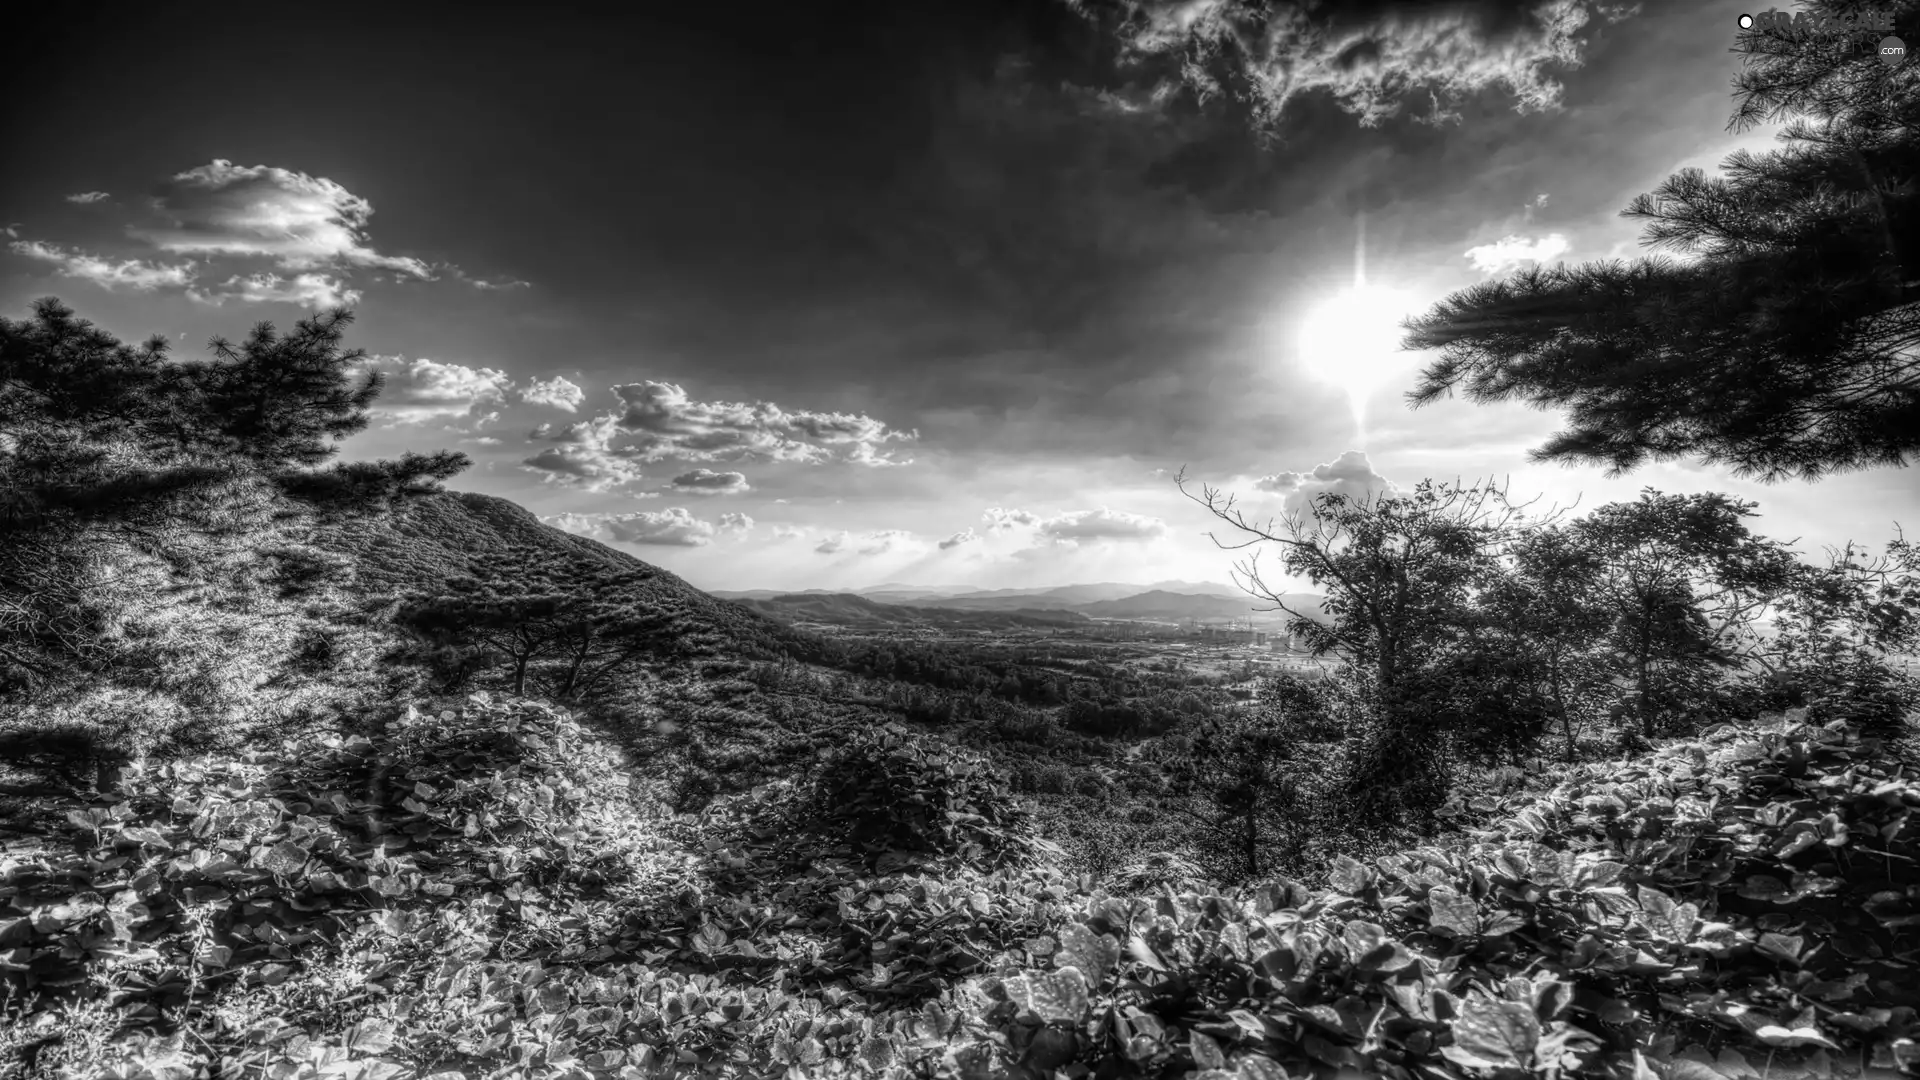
x: 284, y: 858
x: 1775, y: 1035
x: 1051, y: 995
x: 1784, y: 946
x: 370, y: 1037
x: 1206, y: 1052
x: 1491, y: 1034
x: 1350, y: 876
x: 1094, y: 954
x: 1452, y: 912
x: 1260, y: 1068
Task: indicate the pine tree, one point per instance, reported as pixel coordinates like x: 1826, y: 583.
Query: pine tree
x: 1782, y: 342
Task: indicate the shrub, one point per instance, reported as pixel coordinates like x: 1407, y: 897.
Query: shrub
x: 887, y: 793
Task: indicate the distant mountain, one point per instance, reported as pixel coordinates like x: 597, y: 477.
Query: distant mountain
x: 859, y: 613
x: 1163, y: 605
x: 1175, y: 600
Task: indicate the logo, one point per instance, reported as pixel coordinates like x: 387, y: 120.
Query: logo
x: 1866, y: 29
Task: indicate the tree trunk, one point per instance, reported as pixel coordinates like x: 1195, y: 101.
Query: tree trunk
x: 1251, y: 836
x: 579, y: 658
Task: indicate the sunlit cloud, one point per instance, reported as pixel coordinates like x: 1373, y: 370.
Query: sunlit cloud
x: 302, y: 222
x: 708, y: 482
x: 135, y: 274
x: 1511, y: 252
x: 557, y: 392
x: 672, y: 527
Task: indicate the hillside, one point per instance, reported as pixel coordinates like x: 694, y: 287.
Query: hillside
x: 430, y: 538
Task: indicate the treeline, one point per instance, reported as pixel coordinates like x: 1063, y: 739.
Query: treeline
x: 131, y: 482
x: 1469, y: 631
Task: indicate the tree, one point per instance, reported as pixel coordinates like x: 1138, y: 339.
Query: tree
x: 1543, y: 611
x: 1684, y: 580
x: 1400, y: 572
x: 1783, y: 343
x: 108, y: 450
x: 1847, y: 635
x: 1252, y: 768
x: 584, y: 622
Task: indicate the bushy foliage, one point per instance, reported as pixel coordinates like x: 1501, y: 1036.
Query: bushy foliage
x: 885, y: 794
x: 1732, y: 904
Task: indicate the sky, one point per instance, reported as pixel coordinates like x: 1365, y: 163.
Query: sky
x: 823, y: 296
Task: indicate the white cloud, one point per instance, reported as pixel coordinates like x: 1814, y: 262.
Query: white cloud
x: 1351, y: 474
x: 1102, y: 524
x: 309, y: 290
x: 672, y: 527
x: 129, y: 273
x: 584, y: 457
x: 964, y: 536
x: 879, y: 543
x: 85, y: 197
x: 788, y: 532
x: 667, y: 423
x: 300, y: 221
x: 863, y: 453
x: 419, y: 390
x: 735, y: 523
x: 1510, y: 252
x: 12, y: 230
x: 557, y: 392
x: 874, y: 543
x: 708, y: 482
x: 1002, y: 520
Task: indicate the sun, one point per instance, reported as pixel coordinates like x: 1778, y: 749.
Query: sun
x: 1353, y: 339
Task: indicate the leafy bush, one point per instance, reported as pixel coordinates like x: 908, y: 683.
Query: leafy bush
x: 1750, y: 893
x: 886, y: 793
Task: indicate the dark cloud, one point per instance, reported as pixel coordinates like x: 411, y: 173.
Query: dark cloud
x: 1371, y: 58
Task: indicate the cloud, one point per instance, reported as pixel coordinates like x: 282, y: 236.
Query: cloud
x: 86, y: 197
x: 422, y: 389
x: 788, y: 532
x: 310, y: 290
x: 557, y: 392
x: 1351, y: 474
x: 735, y: 523
x: 672, y: 527
x: 873, y: 543
x: 1511, y: 251
x: 964, y: 536
x: 585, y: 456
x: 1071, y: 527
x: 1002, y: 520
x: 302, y: 222
x: 490, y: 286
x: 1102, y: 524
x: 129, y: 273
x: 667, y: 423
x: 879, y: 543
x: 12, y: 230
x: 1370, y: 58
x: 708, y: 482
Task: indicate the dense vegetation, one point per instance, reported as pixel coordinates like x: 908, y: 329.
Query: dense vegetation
x: 320, y: 770
x: 733, y: 847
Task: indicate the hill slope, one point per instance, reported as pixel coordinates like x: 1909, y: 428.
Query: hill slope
x: 431, y: 538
